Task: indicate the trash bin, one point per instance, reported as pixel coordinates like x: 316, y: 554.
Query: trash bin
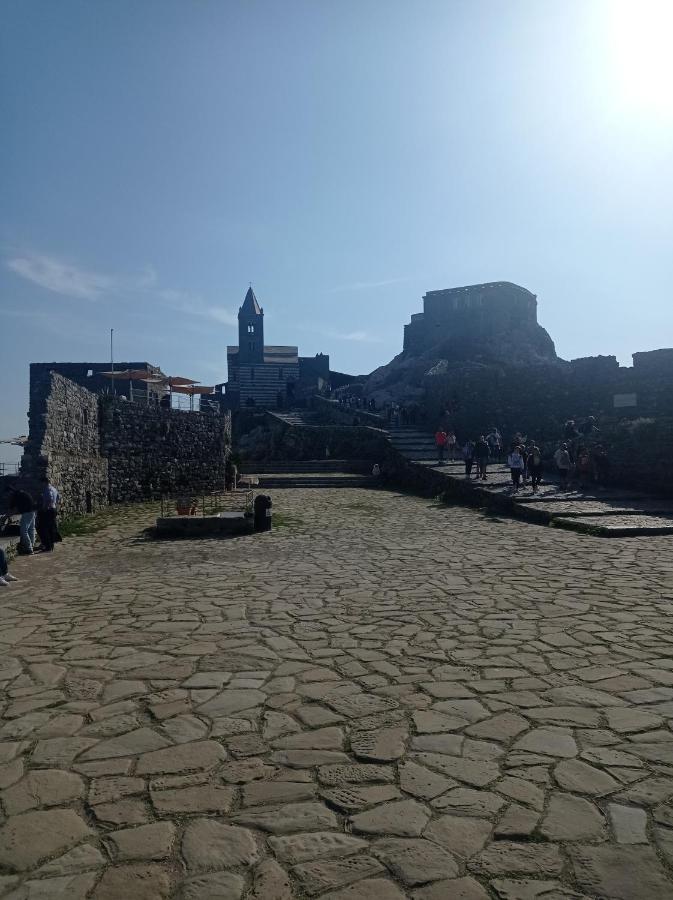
x: 263, y: 512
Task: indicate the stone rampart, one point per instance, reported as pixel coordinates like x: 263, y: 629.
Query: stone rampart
x: 270, y: 438
x: 330, y: 412
x: 64, y: 442
x: 98, y: 449
x: 150, y: 450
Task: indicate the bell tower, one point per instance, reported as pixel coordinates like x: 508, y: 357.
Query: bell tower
x: 250, y: 331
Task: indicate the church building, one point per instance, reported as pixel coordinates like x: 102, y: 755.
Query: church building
x: 270, y: 377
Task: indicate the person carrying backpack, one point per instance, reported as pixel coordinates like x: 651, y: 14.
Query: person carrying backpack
x: 535, y: 466
x: 481, y: 454
x: 515, y: 462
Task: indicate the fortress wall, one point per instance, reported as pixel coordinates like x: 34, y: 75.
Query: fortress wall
x: 150, y: 450
x: 64, y: 442
x: 99, y: 449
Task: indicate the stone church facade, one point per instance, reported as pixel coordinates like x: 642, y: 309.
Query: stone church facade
x: 268, y: 376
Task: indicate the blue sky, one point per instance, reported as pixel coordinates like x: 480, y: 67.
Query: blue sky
x: 343, y: 155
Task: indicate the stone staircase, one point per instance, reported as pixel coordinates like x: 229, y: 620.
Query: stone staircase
x: 297, y: 417
x: 311, y: 473
x: 417, y: 446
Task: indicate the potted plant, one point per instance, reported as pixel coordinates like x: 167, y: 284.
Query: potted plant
x: 186, y: 506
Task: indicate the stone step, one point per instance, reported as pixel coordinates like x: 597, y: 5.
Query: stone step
x: 306, y: 465
x: 271, y: 481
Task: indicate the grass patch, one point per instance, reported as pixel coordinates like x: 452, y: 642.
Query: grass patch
x: 361, y: 506
x: 284, y: 520
x: 81, y: 526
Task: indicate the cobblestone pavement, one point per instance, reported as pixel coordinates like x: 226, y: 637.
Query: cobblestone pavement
x: 384, y: 698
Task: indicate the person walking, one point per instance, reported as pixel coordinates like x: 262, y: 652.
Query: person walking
x: 525, y: 452
x: 535, y: 466
x: 5, y: 577
x: 23, y: 503
x: 494, y: 439
x: 563, y: 463
x: 583, y: 468
x: 515, y: 461
x: 451, y: 444
x: 481, y: 454
x: 601, y: 464
x: 440, y: 443
x: 468, y: 457
x: 46, y: 517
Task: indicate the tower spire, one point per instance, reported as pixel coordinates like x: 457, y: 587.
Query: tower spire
x: 250, y: 304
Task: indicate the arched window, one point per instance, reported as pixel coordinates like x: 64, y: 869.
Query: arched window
x: 251, y: 328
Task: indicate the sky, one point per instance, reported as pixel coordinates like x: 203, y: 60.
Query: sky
x: 344, y: 156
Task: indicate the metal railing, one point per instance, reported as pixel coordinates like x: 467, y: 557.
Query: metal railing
x: 178, y: 401
x: 190, y: 504
x: 9, y: 468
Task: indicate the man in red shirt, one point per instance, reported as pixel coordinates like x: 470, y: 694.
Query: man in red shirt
x: 440, y: 441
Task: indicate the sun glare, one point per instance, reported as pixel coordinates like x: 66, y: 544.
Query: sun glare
x: 641, y: 39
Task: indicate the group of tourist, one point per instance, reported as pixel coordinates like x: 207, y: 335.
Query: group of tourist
x: 573, y: 458
x: 36, y: 518
x: 355, y: 402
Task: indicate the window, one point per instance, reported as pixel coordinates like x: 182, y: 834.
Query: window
x: 251, y: 345
x: 251, y: 329
x: 89, y: 373
x: 85, y: 417
x: 252, y: 374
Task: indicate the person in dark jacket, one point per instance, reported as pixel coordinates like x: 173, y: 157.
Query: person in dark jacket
x: 46, y: 518
x: 481, y: 454
x: 535, y: 466
x: 468, y: 457
x: 22, y: 503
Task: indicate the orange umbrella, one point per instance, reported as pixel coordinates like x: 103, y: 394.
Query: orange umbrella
x: 193, y: 389
x: 177, y: 381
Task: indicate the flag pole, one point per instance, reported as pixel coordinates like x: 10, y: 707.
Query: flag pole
x: 112, y: 364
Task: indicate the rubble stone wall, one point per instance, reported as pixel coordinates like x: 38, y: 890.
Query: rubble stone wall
x: 272, y: 439
x: 64, y: 442
x: 150, y: 450
x: 99, y: 449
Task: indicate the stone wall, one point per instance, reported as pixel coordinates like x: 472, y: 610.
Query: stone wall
x: 270, y: 438
x: 640, y: 452
x: 99, y: 449
x: 150, y: 450
x: 64, y: 442
x: 330, y: 412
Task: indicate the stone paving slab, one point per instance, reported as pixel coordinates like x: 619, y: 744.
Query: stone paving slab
x: 617, y: 525
x: 622, y: 513
x: 383, y: 698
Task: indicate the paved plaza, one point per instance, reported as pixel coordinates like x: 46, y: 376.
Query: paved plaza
x: 384, y: 698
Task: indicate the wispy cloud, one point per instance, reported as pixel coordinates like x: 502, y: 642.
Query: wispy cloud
x: 360, y: 337
x: 365, y: 285
x: 69, y: 280
x: 193, y: 304
x: 59, y: 277
x: 73, y: 281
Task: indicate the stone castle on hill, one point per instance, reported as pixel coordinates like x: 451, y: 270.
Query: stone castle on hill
x: 494, y: 318
x: 480, y: 351
x: 268, y: 376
